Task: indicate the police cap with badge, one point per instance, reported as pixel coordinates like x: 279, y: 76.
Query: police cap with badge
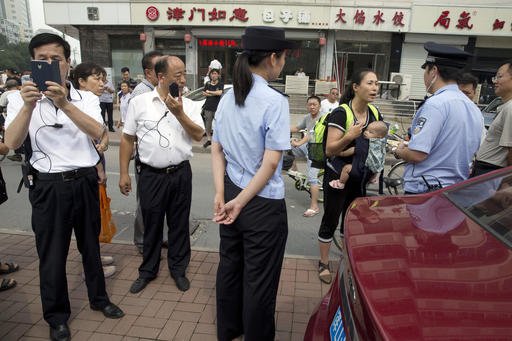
x: 264, y: 38
x: 445, y: 55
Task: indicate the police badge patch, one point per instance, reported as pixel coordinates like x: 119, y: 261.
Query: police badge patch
x: 419, y: 125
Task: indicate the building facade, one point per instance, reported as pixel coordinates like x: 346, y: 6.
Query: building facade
x: 15, y: 23
x: 335, y: 38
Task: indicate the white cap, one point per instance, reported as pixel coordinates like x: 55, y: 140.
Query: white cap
x: 215, y: 64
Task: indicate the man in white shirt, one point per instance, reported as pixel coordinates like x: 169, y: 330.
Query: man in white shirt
x: 330, y: 102
x: 63, y: 184
x: 147, y: 85
x: 164, y: 128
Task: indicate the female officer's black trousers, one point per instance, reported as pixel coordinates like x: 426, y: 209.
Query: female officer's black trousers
x: 251, y: 256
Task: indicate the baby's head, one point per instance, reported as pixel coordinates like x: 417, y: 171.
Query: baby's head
x: 376, y: 129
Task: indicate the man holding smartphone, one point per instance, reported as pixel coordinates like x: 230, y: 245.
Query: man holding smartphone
x: 57, y: 126
x: 164, y: 124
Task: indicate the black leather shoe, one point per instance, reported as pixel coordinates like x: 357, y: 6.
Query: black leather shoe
x: 182, y: 283
x: 60, y: 333
x: 139, y: 284
x: 111, y: 311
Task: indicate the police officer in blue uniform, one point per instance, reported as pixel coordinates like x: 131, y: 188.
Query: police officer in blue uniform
x: 446, y: 130
x: 251, y: 132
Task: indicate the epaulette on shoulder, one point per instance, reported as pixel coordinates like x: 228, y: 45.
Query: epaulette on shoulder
x: 282, y: 93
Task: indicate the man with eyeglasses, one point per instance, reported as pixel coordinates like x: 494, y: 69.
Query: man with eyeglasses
x: 330, y: 102
x: 57, y: 126
x: 496, y: 150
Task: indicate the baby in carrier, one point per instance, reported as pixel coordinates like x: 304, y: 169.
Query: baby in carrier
x: 376, y: 134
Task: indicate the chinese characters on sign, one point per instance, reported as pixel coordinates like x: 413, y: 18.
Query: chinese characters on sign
x: 463, y: 21
x: 378, y: 18
x: 286, y: 15
x: 498, y: 25
x: 178, y: 14
x: 217, y: 42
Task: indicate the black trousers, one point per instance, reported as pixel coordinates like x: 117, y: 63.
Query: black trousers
x: 58, y: 207
x: 167, y: 195
x: 109, y: 109
x: 251, y: 256
x: 336, y: 203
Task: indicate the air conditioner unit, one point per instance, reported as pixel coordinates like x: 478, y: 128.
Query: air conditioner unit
x: 405, y: 89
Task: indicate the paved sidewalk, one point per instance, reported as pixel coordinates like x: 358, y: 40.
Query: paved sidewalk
x: 159, y: 312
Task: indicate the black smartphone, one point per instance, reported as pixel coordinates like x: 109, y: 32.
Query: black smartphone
x: 43, y: 71
x: 174, y: 90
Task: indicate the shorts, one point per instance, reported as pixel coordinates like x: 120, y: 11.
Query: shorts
x: 302, y: 151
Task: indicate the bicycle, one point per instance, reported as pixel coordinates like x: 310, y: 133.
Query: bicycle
x: 301, y: 181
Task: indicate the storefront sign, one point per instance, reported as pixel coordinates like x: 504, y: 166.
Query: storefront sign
x: 371, y: 19
x: 462, y: 20
x: 287, y: 16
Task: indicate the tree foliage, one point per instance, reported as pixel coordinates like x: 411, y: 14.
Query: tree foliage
x: 14, y: 56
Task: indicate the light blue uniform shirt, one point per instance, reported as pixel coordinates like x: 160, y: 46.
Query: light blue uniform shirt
x: 448, y: 127
x: 245, y: 132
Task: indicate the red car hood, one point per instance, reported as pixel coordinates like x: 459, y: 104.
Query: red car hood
x: 425, y: 271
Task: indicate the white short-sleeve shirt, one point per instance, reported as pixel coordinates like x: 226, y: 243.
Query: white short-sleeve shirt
x: 61, y: 149
x: 162, y: 141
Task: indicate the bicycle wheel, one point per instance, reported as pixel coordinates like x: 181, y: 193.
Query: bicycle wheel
x: 397, y: 172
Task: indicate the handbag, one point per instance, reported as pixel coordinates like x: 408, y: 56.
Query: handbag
x: 108, y: 228
x: 3, y: 189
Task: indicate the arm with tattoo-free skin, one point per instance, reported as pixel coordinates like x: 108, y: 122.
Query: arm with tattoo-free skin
x: 125, y: 154
x: 227, y: 213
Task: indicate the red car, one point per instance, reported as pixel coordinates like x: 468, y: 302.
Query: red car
x: 435, y: 266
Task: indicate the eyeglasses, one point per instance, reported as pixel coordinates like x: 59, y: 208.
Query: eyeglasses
x: 497, y: 78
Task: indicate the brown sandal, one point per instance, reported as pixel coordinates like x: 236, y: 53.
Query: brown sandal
x: 8, y: 268
x: 7, y: 283
x: 324, y: 273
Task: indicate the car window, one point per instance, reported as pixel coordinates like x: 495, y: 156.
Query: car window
x: 489, y: 203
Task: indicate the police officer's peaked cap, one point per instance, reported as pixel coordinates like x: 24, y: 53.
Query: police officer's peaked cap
x: 445, y: 55
x: 263, y: 38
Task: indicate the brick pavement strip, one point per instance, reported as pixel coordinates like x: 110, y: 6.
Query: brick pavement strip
x: 160, y: 311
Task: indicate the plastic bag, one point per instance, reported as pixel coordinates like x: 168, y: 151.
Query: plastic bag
x: 108, y: 228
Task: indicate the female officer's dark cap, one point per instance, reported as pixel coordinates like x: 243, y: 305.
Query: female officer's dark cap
x: 445, y: 55
x: 263, y: 38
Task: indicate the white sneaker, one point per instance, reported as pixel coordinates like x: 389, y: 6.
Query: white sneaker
x: 107, y: 260
x: 109, y: 270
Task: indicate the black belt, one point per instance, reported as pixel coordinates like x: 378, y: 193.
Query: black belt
x: 167, y: 170
x: 487, y: 165
x: 65, y: 176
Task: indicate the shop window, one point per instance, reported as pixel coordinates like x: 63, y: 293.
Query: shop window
x: 126, y: 51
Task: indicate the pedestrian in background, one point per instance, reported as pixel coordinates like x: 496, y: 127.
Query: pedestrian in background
x: 63, y: 190
x: 496, y: 150
x: 330, y: 103
x: 124, y: 100
x: 90, y: 77
x: 212, y: 90
x: 446, y: 130
x: 107, y: 102
x: 147, y: 85
x: 252, y: 127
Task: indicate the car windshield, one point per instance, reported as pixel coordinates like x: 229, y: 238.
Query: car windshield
x: 489, y: 203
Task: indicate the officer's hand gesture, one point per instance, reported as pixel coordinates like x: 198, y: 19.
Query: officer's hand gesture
x: 356, y: 130
x: 228, y: 213
x: 125, y: 184
x: 30, y: 94
x: 175, y: 105
x: 57, y: 93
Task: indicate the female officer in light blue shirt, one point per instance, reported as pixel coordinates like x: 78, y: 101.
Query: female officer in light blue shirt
x: 252, y: 126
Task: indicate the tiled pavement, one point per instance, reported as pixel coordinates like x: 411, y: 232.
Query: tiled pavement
x: 159, y: 312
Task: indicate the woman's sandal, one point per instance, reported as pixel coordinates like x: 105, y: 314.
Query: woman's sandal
x: 324, y: 273
x: 11, y: 267
x: 7, y: 283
